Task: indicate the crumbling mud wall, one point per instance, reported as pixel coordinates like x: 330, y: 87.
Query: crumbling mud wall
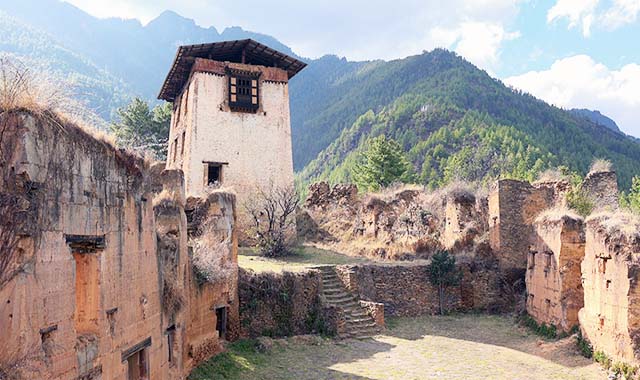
x: 212, y: 276
x: 602, y: 188
x: 465, y: 219
x: 553, y: 279
x: 405, y: 290
x: 90, y: 241
x: 610, y: 318
x: 513, y: 208
x: 280, y: 304
x: 394, y: 226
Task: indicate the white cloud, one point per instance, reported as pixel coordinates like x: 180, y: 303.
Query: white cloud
x: 580, y: 82
x: 586, y: 13
x: 480, y: 42
x: 622, y: 12
x: 357, y: 29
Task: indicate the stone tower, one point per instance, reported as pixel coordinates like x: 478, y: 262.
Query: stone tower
x: 230, y: 125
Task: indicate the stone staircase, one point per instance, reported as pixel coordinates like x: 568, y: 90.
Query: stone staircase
x: 359, y: 323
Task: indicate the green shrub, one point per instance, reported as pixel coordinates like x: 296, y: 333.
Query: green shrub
x: 543, y: 330
x: 621, y: 368
x: 583, y: 345
x: 602, y: 358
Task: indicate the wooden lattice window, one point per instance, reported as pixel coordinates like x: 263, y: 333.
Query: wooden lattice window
x: 243, y: 93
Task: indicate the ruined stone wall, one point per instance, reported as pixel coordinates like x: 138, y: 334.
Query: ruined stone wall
x: 399, y: 226
x: 91, y: 242
x: 602, y: 188
x: 553, y: 279
x: 610, y: 318
x: 464, y: 220
x: 405, y: 290
x: 212, y: 276
x: 280, y: 304
x: 513, y: 207
x: 255, y: 148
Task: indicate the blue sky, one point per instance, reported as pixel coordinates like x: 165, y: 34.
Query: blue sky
x: 572, y: 53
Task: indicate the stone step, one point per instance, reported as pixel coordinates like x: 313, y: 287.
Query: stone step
x: 333, y: 289
x: 347, y: 303
x: 338, y: 297
x: 360, y: 326
x: 359, y: 319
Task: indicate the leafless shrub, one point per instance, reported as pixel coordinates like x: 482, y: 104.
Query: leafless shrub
x: 211, y: 249
x: 272, y: 216
x: 600, y: 165
x: 172, y: 298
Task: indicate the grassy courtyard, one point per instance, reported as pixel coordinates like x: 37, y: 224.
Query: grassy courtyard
x: 433, y: 347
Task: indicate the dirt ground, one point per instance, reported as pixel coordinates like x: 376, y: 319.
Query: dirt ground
x: 451, y: 347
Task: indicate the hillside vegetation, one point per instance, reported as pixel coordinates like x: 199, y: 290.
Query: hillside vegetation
x: 456, y: 122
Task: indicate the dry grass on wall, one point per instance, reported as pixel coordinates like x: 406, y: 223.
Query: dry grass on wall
x: 600, y: 165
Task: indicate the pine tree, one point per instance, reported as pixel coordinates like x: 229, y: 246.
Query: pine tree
x: 139, y: 127
x: 632, y: 199
x: 382, y: 164
x: 442, y: 274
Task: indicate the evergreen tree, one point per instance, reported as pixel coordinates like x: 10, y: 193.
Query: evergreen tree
x: 382, y: 164
x: 443, y: 274
x: 632, y: 199
x: 139, y: 127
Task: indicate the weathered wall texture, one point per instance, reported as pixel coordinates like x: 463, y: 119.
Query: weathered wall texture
x: 93, y: 242
x: 275, y: 304
x: 602, y: 187
x: 405, y: 290
x: 553, y: 279
x: 610, y: 318
x: 464, y: 220
x: 513, y: 207
x: 102, y: 269
x: 254, y: 147
x: 399, y: 226
x: 212, y: 284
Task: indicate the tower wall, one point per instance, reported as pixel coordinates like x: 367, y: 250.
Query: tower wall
x: 254, y: 148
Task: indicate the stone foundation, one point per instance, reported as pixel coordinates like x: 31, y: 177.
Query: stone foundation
x: 285, y: 304
x: 405, y: 289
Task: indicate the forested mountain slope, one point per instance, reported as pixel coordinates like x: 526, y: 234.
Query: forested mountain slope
x: 455, y: 121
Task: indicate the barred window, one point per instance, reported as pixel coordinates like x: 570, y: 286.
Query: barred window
x: 243, y: 93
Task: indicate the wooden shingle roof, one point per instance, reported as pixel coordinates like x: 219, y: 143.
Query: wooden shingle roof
x: 254, y: 53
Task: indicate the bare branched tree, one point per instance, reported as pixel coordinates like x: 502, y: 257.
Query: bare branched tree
x: 272, y: 215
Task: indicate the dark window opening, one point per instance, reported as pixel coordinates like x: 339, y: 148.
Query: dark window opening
x: 171, y: 338
x: 214, y: 174
x: 221, y: 321
x: 175, y: 149
x: 182, y: 145
x: 532, y: 260
x: 243, y: 93
x: 137, y: 358
x: 138, y: 365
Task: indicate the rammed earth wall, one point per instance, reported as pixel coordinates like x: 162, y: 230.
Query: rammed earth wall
x: 554, y: 283
x: 610, y: 318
